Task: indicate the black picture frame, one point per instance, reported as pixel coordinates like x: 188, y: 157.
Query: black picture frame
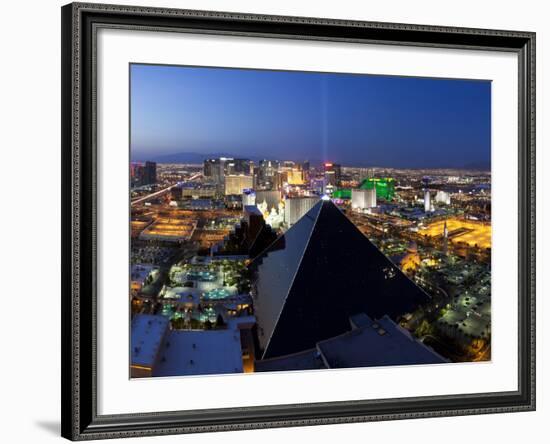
x: 79, y: 174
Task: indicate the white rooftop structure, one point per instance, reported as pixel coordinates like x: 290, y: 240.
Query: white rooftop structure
x: 201, y: 260
x: 147, y: 333
x: 139, y: 272
x: 207, y: 283
x: 182, y: 295
x: 200, y: 352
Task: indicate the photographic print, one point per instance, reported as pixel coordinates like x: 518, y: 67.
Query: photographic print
x: 289, y: 220
x: 295, y: 202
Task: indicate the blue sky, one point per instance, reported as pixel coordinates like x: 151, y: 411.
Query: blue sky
x: 350, y: 119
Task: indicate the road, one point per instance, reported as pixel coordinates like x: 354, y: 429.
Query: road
x: 161, y: 192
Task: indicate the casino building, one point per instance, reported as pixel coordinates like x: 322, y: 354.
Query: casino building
x: 318, y: 274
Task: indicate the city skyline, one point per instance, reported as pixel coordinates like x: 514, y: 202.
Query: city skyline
x: 418, y: 123
x: 363, y: 239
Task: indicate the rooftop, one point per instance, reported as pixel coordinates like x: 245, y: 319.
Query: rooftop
x: 204, y: 352
x: 376, y: 343
x: 170, y: 229
x: 306, y: 360
x: 184, y: 295
x: 238, y: 322
x: 140, y: 272
x: 460, y: 230
x: 147, y: 332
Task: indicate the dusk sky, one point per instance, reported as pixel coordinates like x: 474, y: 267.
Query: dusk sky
x: 355, y: 120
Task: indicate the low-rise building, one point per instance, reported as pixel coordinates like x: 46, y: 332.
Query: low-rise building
x: 170, y: 229
x: 141, y: 274
x: 146, y: 337
x: 158, y: 351
x: 205, y: 352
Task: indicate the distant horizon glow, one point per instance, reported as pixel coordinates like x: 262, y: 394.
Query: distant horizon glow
x: 350, y: 119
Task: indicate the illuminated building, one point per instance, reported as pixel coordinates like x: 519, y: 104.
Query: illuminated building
x: 411, y: 260
x: 181, y: 297
x: 150, y: 173
x: 363, y: 199
x: 136, y: 173
x: 214, y: 169
x: 295, y: 177
x: 138, y: 225
x: 276, y: 216
x: 443, y: 197
x: 329, y: 190
x: 197, y: 191
x: 316, y: 275
x: 249, y: 198
x: 445, y: 239
x: 272, y: 198
x: 305, y: 169
x: 267, y: 171
x: 211, y: 167
x: 170, y: 229
x: 468, y: 232
x: 296, y: 207
x: 427, y: 202
x: 143, y: 174
x: 235, y: 185
x: 281, y: 179
x: 385, y: 187
x: 234, y: 167
x: 287, y: 165
x: 342, y: 193
x: 218, y: 169
x: 220, y: 173
x: 318, y: 185
x: 333, y: 173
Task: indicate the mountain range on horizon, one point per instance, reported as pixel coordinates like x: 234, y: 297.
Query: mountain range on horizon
x: 198, y: 158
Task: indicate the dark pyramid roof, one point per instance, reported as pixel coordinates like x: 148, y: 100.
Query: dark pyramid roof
x: 319, y: 273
